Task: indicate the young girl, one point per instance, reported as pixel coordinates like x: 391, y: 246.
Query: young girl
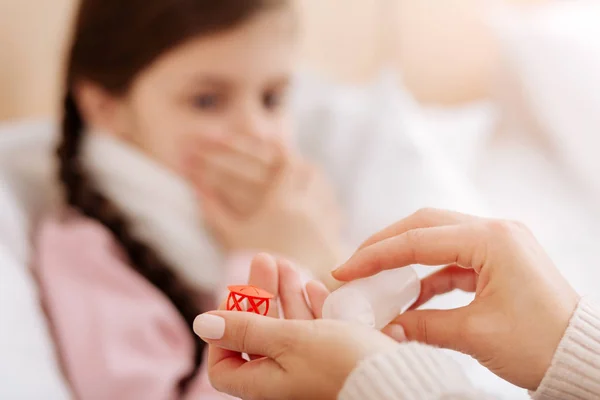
x: 159, y: 94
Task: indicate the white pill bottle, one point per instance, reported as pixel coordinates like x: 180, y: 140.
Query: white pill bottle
x: 374, y: 301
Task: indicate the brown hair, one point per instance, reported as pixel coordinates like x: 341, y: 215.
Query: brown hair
x: 114, y: 41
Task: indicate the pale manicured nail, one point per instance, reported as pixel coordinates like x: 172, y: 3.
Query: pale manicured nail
x: 209, y: 326
x: 396, y: 332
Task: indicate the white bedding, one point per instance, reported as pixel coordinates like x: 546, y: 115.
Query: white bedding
x: 28, y: 365
x: 543, y: 167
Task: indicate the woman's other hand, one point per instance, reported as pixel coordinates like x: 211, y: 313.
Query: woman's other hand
x: 522, y: 305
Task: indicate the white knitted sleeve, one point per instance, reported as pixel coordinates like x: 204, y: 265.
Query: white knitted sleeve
x: 416, y: 371
x: 413, y: 372
x: 575, y: 369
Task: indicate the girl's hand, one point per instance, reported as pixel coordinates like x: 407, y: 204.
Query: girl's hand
x: 236, y: 170
x: 297, y: 218
x: 282, y: 280
x: 522, y: 305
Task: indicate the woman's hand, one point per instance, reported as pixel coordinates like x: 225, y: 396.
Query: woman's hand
x: 310, y: 359
x: 297, y: 216
x: 301, y: 359
x: 522, y: 305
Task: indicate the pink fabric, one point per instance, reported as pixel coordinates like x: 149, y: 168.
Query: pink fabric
x: 118, y: 336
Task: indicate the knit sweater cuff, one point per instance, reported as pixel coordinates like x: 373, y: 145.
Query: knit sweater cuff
x: 413, y: 371
x: 574, y: 372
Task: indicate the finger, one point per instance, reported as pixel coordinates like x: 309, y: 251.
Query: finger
x: 264, y: 274
x: 282, y: 182
x: 463, y: 245
x: 444, y: 281
x: 240, y: 183
x: 317, y: 293
x: 424, y: 218
x: 442, y: 328
x: 238, y: 169
x: 230, y: 334
x: 261, y: 378
x: 241, y: 201
x: 216, y: 214
x: 245, y: 332
x: 239, y: 196
x: 257, y: 149
x: 225, y: 180
x: 291, y: 293
x: 283, y: 154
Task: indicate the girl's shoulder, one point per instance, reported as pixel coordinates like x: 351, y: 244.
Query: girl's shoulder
x: 115, y: 332
x: 76, y: 251
x: 67, y: 235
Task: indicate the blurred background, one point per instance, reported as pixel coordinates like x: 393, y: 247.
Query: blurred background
x: 500, y: 100
x: 346, y: 40
x: 499, y: 88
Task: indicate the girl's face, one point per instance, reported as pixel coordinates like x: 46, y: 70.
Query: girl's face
x: 226, y: 84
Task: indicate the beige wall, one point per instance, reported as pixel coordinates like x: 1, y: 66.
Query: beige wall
x: 341, y: 40
x: 442, y: 47
x: 344, y: 39
x: 31, y: 39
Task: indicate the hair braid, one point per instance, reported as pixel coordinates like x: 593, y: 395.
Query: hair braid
x: 82, y: 196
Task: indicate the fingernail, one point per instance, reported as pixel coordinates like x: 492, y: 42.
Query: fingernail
x: 342, y: 266
x: 336, y: 272
x: 209, y: 326
x: 396, y: 332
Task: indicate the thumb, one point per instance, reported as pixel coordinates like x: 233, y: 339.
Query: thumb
x: 441, y: 328
x: 282, y: 181
x: 245, y: 332
x: 231, y: 333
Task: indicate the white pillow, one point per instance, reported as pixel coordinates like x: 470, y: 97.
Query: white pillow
x: 554, y: 51
x: 29, y: 367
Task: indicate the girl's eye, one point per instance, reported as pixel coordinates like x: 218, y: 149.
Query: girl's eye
x: 273, y: 100
x: 207, y: 101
